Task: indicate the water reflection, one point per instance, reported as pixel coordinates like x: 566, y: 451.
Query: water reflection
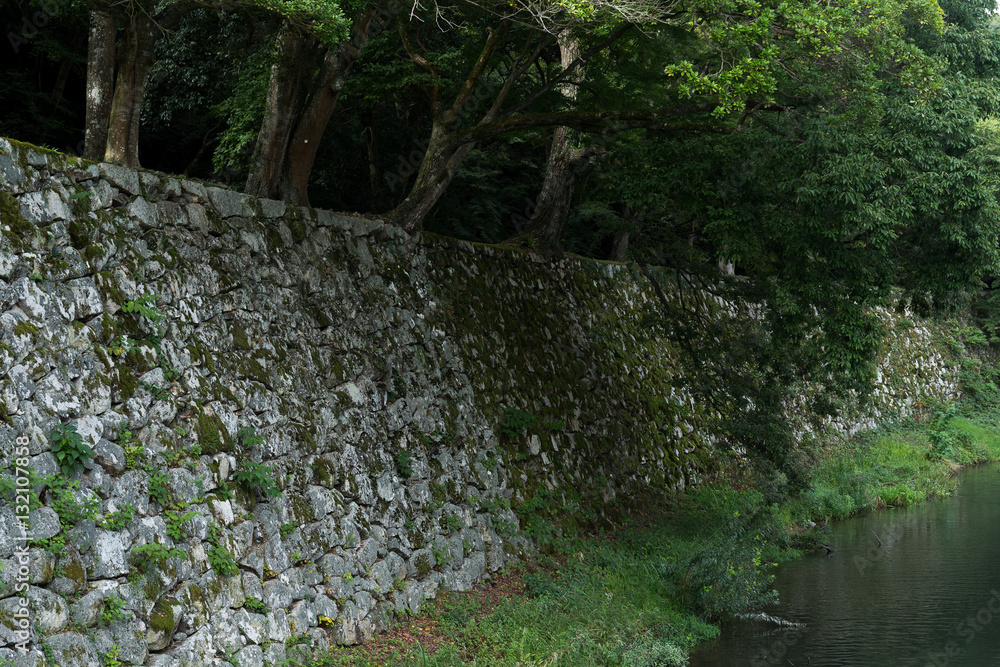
x: 928, y: 597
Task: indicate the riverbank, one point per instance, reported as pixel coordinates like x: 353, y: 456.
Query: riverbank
x: 643, y: 594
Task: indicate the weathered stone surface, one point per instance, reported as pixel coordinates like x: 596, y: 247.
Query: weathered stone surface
x: 41, y: 566
x: 11, y: 174
x: 87, y: 610
x: 71, y: 649
x: 249, y: 656
x: 163, y: 622
x: 44, y: 523
x: 44, y: 207
x: 111, y: 551
x: 128, y: 637
x: 122, y: 178
x: 323, y: 394
x: 19, y: 627
x: 230, y: 203
x: 51, y: 612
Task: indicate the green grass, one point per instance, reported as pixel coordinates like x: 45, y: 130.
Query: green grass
x: 640, y: 597
x: 890, y: 466
x: 644, y: 595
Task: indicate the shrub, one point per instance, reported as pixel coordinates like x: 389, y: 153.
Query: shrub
x: 725, y: 575
x: 516, y: 422
x: 256, y: 477
x: 69, y: 449
x: 222, y: 561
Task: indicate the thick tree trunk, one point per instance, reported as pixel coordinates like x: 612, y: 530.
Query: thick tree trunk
x: 441, y: 160
x: 100, y: 83
x: 619, y: 246
x: 135, y: 61
x: 316, y: 116
x: 294, y: 118
x: 294, y: 64
x: 544, y: 230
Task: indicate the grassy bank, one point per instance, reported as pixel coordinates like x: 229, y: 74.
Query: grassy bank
x: 644, y: 594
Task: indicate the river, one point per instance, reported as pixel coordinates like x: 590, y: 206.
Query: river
x: 928, y: 597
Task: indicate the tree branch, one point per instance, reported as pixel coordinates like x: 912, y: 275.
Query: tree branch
x: 590, y: 121
x: 477, y: 70
x: 576, y: 64
x: 420, y: 61
x: 521, y: 66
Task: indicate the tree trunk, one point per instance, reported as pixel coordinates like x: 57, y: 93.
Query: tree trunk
x: 441, y: 160
x: 135, y: 61
x: 294, y: 122
x: 316, y: 116
x: 100, y: 83
x: 294, y: 63
x: 619, y: 246
x: 544, y: 230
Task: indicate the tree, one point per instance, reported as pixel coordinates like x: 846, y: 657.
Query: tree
x: 552, y: 208
x: 491, y: 84
x: 100, y: 83
x: 300, y: 101
x: 144, y: 23
x: 873, y: 188
x: 734, y: 73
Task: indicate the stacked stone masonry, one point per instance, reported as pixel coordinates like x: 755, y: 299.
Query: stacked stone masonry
x: 366, y: 376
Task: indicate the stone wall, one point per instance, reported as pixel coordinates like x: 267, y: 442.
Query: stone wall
x: 330, y: 422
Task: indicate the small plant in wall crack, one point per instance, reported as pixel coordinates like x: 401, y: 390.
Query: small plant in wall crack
x: 144, y: 305
x: 175, y: 522
x: 110, y: 658
x: 516, y: 422
x: 248, y: 435
x: 117, y: 520
x: 114, y: 609
x: 121, y: 345
x: 222, y: 562
x: 219, y: 557
x: 257, y: 478
x: 69, y: 449
x: 135, y: 453
x: 404, y: 463
x: 153, y: 553
x: 256, y: 605
x: 441, y: 556
x: 158, y: 489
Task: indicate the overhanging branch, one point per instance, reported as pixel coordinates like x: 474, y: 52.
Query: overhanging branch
x: 593, y: 121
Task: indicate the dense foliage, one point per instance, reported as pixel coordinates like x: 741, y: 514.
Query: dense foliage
x: 837, y: 155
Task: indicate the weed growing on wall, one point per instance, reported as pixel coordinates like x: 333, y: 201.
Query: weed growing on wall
x: 69, y: 449
x: 516, y: 422
x: 257, y: 478
x: 146, y: 556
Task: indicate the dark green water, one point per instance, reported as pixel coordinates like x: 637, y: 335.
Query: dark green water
x: 929, y: 597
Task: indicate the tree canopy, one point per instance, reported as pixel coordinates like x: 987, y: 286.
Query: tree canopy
x: 831, y: 156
